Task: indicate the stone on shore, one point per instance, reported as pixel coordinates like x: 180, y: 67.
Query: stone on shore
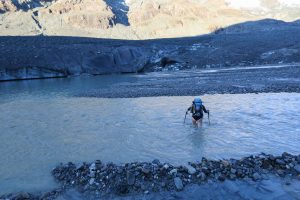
x: 297, y: 168
x: 280, y: 162
x: 130, y: 178
x: 173, y: 172
x: 256, y: 176
x: 178, y: 183
x: 191, y: 170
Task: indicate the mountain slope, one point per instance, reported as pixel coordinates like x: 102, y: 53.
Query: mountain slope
x: 135, y: 19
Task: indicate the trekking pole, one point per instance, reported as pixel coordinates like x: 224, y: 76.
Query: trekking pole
x: 208, y: 117
x: 185, y: 117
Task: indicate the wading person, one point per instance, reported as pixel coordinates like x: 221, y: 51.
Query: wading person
x: 197, y: 109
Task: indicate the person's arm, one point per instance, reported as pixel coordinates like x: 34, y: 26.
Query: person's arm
x: 189, y: 109
x: 204, y: 109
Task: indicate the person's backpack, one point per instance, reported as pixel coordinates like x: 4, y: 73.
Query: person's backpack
x: 197, y: 104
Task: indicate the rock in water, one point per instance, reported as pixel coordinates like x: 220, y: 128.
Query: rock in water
x: 256, y: 176
x: 130, y: 178
x: 178, y: 183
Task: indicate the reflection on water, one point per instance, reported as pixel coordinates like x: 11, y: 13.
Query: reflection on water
x: 39, y: 130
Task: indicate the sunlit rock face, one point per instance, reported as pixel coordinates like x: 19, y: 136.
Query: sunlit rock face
x: 136, y: 19
x: 75, y: 14
x: 6, y: 6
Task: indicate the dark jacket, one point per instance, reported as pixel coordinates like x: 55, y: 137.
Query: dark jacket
x: 194, y: 112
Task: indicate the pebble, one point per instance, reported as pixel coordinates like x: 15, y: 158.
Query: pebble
x: 130, y: 178
x: 191, y: 170
x: 225, y: 163
x: 202, y: 176
x: 280, y: 162
x: 166, y: 166
x: 232, y: 176
x: 146, y: 192
x: 256, y: 176
x: 298, y: 159
x: 173, y: 172
x: 280, y: 172
x: 221, y: 178
x: 297, y: 168
x: 178, y: 183
x: 271, y: 157
x: 92, y: 167
x: 145, y: 170
x: 92, y: 180
x: 156, y: 162
x: 233, y: 171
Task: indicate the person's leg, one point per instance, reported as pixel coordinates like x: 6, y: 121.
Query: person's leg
x: 194, y: 121
x: 200, y: 122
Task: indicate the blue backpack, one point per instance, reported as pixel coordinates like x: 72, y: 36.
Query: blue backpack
x: 198, y: 103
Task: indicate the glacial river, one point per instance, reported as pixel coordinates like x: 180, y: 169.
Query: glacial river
x: 43, y: 123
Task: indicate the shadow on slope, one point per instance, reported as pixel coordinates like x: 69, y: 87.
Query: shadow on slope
x: 259, y: 25
x: 120, y: 10
x: 27, y: 5
x: 24, y: 57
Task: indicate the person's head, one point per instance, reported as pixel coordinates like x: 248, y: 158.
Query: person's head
x: 197, y: 100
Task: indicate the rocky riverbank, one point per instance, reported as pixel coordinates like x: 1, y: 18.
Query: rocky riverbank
x: 98, y: 179
x: 261, y: 79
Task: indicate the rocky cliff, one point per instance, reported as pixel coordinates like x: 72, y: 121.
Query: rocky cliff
x: 134, y: 19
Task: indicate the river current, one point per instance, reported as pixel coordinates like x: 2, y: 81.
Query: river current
x: 43, y: 123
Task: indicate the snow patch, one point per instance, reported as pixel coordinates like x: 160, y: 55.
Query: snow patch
x: 290, y: 3
x: 256, y: 5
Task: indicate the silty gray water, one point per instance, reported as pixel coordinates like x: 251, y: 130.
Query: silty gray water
x: 42, y: 124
